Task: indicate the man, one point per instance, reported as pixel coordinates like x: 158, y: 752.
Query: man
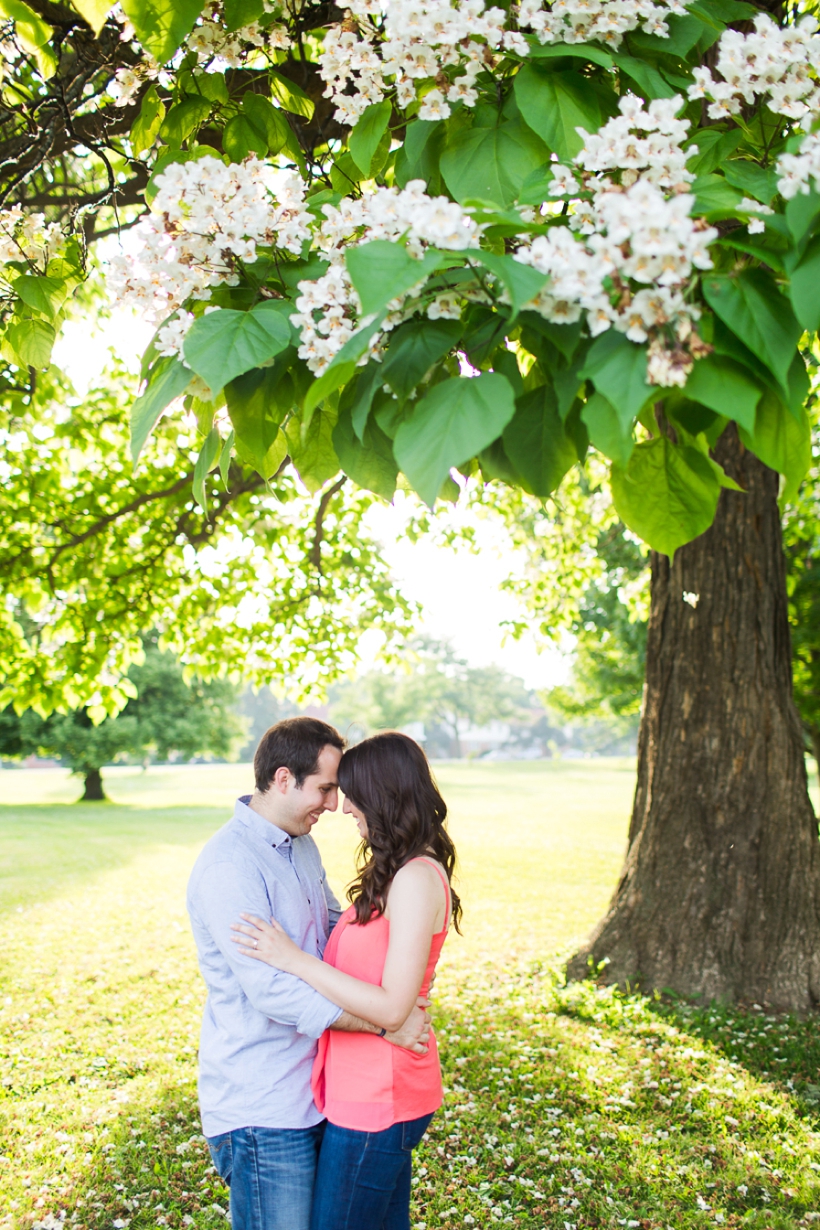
x: 260, y: 1026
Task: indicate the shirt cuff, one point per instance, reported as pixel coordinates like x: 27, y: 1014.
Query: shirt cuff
x: 314, y: 1023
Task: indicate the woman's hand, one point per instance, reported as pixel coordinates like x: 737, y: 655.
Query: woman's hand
x: 268, y: 942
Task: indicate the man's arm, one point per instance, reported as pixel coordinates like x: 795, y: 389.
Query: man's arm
x: 334, y: 909
x: 222, y: 893
x: 412, y: 1036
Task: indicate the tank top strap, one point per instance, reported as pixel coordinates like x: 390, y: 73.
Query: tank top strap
x: 423, y: 858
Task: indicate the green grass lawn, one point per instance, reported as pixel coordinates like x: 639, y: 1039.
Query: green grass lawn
x: 566, y: 1107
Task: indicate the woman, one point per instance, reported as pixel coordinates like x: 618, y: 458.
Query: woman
x: 378, y: 1098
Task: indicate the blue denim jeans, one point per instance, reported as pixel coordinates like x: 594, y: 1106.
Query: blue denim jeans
x: 363, y: 1180
x: 270, y: 1172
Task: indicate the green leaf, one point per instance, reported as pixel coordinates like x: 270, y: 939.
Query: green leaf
x: 205, y: 462
x: 782, y: 442
x: 367, y: 134
x: 32, y: 340
x: 666, y: 495
x: 183, y: 119
x: 715, y: 197
x: 241, y: 137
x: 555, y: 105
x: 521, y: 282
x: 240, y: 13
x: 290, y: 96
x: 649, y: 81
x: 312, y: 451
x: 581, y: 51
x: 536, y: 443
x: 804, y: 287
x: 225, y: 458
x: 335, y: 377
x: 365, y: 389
x: 257, y: 403
x: 268, y: 121
x: 617, y: 368
x: 94, y: 12
x: 713, y: 146
x: 753, y: 180
x: 44, y: 294
x: 414, y: 348
x: 491, y: 164
x: 725, y: 387
x: 162, y: 25
x: 368, y: 461
x: 684, y: 33
x: 801, y: 213
x: 147, y: 124
x: 610, y: 435
x: 753, y: 307
x: 226, y: 343
x: 455, y: 421
x: 382, y: 270
x: 32, y: 32
x: 168, y: 380
x: 418, y: 157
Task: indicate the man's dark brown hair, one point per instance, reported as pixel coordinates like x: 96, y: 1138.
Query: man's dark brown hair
x: 294, y: 743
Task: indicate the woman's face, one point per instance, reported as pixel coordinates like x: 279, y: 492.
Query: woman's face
x: 351, y: 809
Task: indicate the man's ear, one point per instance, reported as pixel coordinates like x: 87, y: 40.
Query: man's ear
x: 281, y: 780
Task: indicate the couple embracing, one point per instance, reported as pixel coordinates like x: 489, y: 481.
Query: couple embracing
x: 319, y: 1073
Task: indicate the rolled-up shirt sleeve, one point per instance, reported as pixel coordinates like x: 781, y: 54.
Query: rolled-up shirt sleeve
x: 223, y: 893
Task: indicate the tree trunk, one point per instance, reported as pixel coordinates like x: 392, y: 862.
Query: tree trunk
x: 94, y: 792
x: 719, y: 896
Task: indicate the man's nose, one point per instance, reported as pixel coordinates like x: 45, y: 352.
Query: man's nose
x: 332, y: 801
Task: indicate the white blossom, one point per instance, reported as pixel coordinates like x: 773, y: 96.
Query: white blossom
x: 607, y: 21
x: 773, y: 63
x: 800, y: 172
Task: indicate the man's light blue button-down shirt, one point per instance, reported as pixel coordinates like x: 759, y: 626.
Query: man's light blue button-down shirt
x: 260, y: 1026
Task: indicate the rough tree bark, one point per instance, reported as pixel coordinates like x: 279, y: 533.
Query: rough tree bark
x: 719, y: 895
x: 94, y: 792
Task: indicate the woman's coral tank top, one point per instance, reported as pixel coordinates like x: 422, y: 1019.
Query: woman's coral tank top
x: 362, y: 1081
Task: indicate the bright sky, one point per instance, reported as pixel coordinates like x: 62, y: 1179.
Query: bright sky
x: 459, y: 591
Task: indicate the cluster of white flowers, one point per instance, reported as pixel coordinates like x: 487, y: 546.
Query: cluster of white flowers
x: 640, y: 141
x: 638, y: 231
x: 607, y: 21
x: 800, y: 172
x: 216, y: 48
x: 27, y: 238
x: 772, y: 63
x: 328, y: 309
x: 405, y: 42
x: 205, y: 219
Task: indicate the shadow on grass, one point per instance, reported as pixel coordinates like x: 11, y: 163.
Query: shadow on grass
x: 46, y: 850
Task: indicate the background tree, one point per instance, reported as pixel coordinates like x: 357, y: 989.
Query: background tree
x: 168, y: 718
x: 404, y: 279
x: 436, y: 688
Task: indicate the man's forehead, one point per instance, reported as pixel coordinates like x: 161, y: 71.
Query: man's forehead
x: 328, y: 765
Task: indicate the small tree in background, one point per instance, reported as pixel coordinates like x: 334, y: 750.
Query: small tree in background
x: 168, y: 719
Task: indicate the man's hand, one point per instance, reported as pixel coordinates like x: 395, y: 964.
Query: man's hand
x: 415, y: 1031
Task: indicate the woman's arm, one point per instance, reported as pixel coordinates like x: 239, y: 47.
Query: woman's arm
x: 415, y: 900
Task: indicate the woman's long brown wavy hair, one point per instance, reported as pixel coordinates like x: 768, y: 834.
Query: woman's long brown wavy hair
x: 387, y: 777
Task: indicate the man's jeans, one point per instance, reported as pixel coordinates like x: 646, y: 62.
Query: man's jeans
x: 363, y: 1180
x: 270, y: 1172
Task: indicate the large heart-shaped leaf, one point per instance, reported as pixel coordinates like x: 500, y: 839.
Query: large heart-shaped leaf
x: 162, y: 25
x: 536, y: 443
x: 781, y: 442
x: 555, y: 105
x: 368, y: 461
x: 617, y: 367
x: 666, y: 494
x: 224, y: 344
x: 725, y: 387
x: 753, y: 307
x: 491, y: 164
x: 457, y: 419
x: 382, y: 271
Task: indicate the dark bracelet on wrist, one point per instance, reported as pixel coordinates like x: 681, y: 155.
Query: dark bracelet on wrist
x: 381, y: 1033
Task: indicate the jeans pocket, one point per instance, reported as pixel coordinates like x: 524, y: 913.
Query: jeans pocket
x: 412, y: 1132
x: 221, y: 1150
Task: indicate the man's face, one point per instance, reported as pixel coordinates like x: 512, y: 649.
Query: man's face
x: 319, y: 792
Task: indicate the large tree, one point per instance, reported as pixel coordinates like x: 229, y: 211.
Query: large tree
x: 400, y: 240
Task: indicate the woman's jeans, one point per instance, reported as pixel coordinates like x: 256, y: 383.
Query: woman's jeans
x: 270, y: 1172
x: 363, y: 1180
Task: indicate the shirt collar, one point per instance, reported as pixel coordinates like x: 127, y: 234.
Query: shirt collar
x: 269, y: 832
